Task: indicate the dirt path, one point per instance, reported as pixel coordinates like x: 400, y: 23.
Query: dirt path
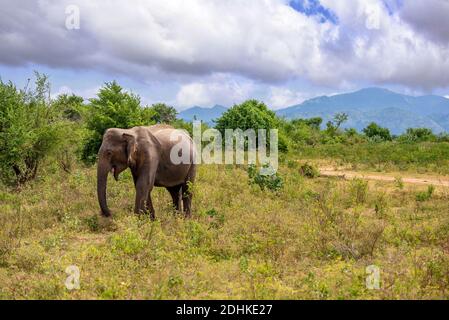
x: 348, y: 175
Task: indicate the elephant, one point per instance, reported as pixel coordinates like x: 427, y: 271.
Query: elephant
x: 147, y: 152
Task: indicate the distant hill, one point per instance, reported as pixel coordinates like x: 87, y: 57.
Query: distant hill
x: 395, y: 111
x: 206, y: 115
x: 389, y: 109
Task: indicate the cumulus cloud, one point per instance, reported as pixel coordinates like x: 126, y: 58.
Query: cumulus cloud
x: 219, y: 89
x: 265, y: 41
x: 428, y: 17
x: 281, y: 97
x: 86, y: 93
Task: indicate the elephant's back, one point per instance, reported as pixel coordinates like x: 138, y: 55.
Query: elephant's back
x: 171, y: 136
x: 158, y: 127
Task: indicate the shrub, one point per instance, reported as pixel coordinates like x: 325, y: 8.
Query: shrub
x: 70, y: 106
x: 254, y: 115
x: 309, y: 171
x: 417, y: 135
x: 377, y: 133
x: 271, y: 182
x: 113, y: 108
x: 163, y: 113
x: 359, y: 190
x: 426, y: 195
x: 129, y: 243
x: 30, y: 130
x: 251, y: 114
x: 301, y: 131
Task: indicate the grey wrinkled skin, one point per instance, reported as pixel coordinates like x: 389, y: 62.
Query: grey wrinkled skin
x: 146, y: 151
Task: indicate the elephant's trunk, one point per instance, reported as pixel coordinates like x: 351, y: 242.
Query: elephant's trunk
x: 103, y: 169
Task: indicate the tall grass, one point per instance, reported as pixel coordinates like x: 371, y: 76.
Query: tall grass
x: 313, y: 239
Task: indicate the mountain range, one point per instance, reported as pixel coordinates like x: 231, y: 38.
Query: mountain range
x: 394, y: 111
x: 206, y: 115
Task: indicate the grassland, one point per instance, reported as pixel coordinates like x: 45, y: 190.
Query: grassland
x: 312, y: 240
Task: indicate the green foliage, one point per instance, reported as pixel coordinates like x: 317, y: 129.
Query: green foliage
x: 163, y: 113
x: 271, y: 182
x: 399, y: 183
x: 425, y: 196
x: 251, y: 114
x: 301, y: 131
x: 417, y: 135
x: 30, y: 130
x: 113, y: 108
x: 333, y: 127
x: 70, y: 106
x: 216, y: 219
x: 309, y: 171
x: 129, y: 243
x: 314, y: 123
x: 339, y: 119
x: 377, y: 133
x: 359, y: 190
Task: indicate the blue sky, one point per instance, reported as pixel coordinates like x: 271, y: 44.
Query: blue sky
x: 211, y: 52
x: 314, y: 8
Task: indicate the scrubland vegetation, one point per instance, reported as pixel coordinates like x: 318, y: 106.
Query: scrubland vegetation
x: 294, y: 235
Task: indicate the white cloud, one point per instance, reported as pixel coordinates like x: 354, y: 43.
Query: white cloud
x: 282, y: 97
x: 220, y: 89
x: 85, y: 93
x: 265, y: 41
x: 428, y: 17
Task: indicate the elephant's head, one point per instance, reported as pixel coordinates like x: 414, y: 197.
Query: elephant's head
x: 117, y: 153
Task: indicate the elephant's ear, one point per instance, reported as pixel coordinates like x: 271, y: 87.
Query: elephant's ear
x: 131, y: 148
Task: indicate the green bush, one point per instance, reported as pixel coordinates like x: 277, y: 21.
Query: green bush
x: 113, y: 108
x: 417, y: 135
x: 359, y: 190
x: 30, y: 130
x: 309, y: 171
x: 377, y: 133
x: 301, y: 131
x: 425, y: 196
x: 70, y: 106
x: 271, y: 182
x: 163, y: 113
x: 251, y: 114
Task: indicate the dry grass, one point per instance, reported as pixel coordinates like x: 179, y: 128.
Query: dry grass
x: 313, y: 240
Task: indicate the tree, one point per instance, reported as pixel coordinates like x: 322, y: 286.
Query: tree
x: 251, y: 114
x: 333, y: 127
x: 302, y: 131
x: 71, y: 106
x: 314, y: 123
x: 163, y: 113
x: 339, y: 119
x: 30, y: 130
x: 418, y: 135
x: 375, y: 132
x: 113, y: 108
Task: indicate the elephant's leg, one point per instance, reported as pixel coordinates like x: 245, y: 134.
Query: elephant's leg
x: 186, y: 200
x: 149, y: 207
x: 143, y: 188
x: 134, y: 178
x: 175, y: 193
